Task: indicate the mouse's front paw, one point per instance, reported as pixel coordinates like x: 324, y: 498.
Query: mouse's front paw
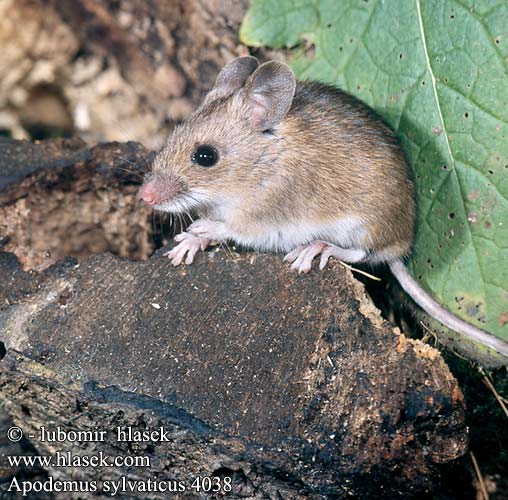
x: 211, y: 230
x: 188, y: 247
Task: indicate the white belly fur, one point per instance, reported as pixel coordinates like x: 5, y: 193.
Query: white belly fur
x: 347, y: 232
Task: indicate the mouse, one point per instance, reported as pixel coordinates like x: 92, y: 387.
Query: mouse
x: 297, y: 167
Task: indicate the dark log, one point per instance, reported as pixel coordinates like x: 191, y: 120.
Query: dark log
x: 293, y: 385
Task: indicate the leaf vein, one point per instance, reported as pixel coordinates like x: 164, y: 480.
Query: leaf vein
x: 445, y: 133
x: 472, y: 13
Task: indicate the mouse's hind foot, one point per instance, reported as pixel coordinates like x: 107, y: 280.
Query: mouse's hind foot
x: 302, y: 256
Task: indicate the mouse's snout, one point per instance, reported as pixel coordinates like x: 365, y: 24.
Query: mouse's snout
x: 148, y: 193
x: 160, y: 190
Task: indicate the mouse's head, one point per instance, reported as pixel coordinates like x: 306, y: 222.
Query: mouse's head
x: 227, y: 144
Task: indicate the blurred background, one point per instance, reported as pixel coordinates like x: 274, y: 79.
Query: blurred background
x: 110, y: 70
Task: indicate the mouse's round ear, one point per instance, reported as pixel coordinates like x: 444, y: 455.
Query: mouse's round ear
x: 269, y: 93
x: 233, y: 76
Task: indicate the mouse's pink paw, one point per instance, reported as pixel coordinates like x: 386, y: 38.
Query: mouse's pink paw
x: 211, y: 230
x: 188, y: 247
x: 302, y: 256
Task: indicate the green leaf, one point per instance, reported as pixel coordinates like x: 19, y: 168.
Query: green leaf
x: 437, y: 71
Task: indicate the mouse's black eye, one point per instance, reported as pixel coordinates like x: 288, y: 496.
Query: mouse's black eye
x: 205, y: 155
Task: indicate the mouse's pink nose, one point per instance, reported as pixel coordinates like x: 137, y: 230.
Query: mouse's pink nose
x: 148, y: 193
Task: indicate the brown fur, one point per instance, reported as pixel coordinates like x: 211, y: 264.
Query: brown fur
x: 330, y: 157
x: 357, y: 165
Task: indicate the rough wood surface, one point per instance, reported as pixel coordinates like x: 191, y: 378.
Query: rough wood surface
x: 190, y: 448
x: 59, y: 198
x: 294, y: 377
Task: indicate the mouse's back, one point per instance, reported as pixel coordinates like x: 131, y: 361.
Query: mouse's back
x: 353, y: 163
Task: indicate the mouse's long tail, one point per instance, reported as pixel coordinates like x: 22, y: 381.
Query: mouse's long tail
x: 437, y: 311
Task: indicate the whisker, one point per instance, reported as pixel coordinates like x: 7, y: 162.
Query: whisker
x: 179, y: 221
x: 171, y: 225
x: 131, y: 139
x: 135, y: 165
x: 153, y: 226
x: 137, y: 175
x: 136, y: 170
x: 161, y: 227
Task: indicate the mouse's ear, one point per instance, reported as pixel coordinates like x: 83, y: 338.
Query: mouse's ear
x: 269, y: 93
x: 233, y: 76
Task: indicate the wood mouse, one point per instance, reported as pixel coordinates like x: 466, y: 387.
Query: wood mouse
x: 301, y: 168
